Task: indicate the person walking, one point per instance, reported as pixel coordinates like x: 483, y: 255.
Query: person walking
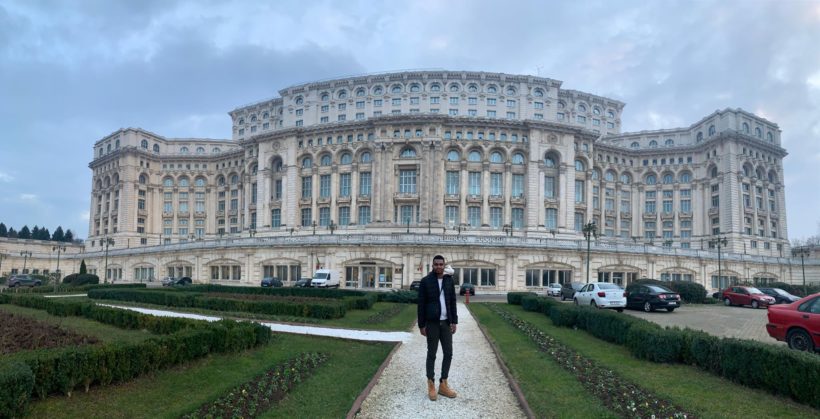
x: 438, y: 320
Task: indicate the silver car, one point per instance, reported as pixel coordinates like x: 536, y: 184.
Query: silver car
x: 554, y: 290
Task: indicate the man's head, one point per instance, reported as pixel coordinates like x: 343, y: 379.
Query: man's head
x: 438, y: 265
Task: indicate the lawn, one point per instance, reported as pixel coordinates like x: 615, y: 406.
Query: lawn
x: 694, y: 389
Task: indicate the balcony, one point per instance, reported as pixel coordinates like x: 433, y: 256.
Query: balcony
x: 183, y: 214
x: 141, y: 211
x: 167, y: 214
x: 452, y: 198
x: 323, y: 200
x: 233, y: 212
x: 405, y: 197
x: 474, y: 199
x: 714, y: 210
x: 199, y: 214
x: 685, y: 214
x: 363, y: 199
x: 626, y: 215
x: 650, y: 215
x: 306, y: 201
x: 252, y: 206
x: 518, y: 200
x: 343, y: 199
x: 667, y: 215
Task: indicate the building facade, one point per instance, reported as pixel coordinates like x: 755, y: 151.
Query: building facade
x: 372, y: 174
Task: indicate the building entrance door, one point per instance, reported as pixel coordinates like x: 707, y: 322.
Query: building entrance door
x: 368, y: 276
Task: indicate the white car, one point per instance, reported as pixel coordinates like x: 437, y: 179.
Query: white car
x: 601, y: 295
x: 554, y: 290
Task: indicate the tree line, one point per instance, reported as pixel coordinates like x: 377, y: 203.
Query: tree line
x: 37, y: 233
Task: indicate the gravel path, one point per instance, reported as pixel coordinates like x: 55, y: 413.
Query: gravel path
x: 483, y: 391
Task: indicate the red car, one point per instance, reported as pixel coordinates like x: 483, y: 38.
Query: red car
x: 797, y: 323
x: 745, y: 296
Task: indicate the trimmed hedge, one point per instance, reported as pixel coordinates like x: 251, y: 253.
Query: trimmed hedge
x: 403, y: 296
x: 45, y: 289
x: 81, y: 279
x: 775, y: 369
x: 17, y: 383
x: 514, y: 298
x: 690, y: 292
x: 335, y: 293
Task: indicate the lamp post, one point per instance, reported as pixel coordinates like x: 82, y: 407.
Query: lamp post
x: 802, y: 251
x: 252, y: 232
x: 460, y: 228
x: 429, y: 224
x: 719, y: 242
x: 332, y: 227
x: 590, y: 231
x: 108, y: 241
x: 314, y: 227
x: 507, y: 228
x: 407, y: 221
x: 25, y: 254
x: 58, y: 249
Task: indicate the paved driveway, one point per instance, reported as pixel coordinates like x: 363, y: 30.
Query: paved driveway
x: 715, y: 319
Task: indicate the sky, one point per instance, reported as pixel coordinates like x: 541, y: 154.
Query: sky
x: 72, y: 72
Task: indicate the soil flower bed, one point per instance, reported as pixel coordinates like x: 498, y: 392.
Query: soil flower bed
x: 251, y: 399
x: 383, y: 315
x: 626, y: 399
x: 20, y: 333
x: 263, y: 297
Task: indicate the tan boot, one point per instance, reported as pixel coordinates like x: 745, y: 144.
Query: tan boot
x: 445, y: 390
x: 431, y: 389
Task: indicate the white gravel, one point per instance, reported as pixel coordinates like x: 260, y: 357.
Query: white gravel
x: 483, y: 390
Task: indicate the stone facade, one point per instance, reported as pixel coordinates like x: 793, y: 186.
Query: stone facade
x: 19, y: 256
x: 374, y: 175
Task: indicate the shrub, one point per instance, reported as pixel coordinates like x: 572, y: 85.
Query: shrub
x: 690, y: 292
x: 564, y: 315
x: 16, y: 382
x: 81, y: 279
x: 403, y: 296
x: 514, y: 298
x: 648, y: 341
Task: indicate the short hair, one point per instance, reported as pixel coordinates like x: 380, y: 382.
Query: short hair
x: 437, y: 257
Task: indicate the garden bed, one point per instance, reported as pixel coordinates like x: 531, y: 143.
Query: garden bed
x: 21, y: 333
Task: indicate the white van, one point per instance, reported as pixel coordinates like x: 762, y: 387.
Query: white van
x: 325, y: 278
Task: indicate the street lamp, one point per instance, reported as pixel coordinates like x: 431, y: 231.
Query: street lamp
x: 108, y: 241
x: 460, y: 228
x: 314, y: 227
x: 429, y: 224
x: 590, y: 231
x: 331, y: 226
x: 58, y: 249
x: 25, y: 254
x: 802, y: 251
x: 719, y: 242
x: 507, y: 229
x: 252, y: 232
x: 407, y: 221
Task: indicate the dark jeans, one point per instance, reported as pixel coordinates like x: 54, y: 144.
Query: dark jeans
x: 439, y: 332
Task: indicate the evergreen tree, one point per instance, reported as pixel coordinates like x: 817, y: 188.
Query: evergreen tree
x: 12, y: 233
x: 45, y: 234
x: 4, y: 232
x: 58, y: 235
x: 24, y: 233
x: 69, y: 236
x: 35, y: 232
x: 83, y: 270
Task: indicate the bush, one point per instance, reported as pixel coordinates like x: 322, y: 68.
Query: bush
x: 690, y: 292
x: 514, y: 298
x: 403, y: 296
x: 17, y: 383
x: 796, y: 289
x: 81, y: 279
x: 537, y: 304
x: 564, y: 315
x: 648, y: 341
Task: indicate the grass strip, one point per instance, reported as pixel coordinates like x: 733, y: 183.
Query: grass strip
x: 250, y: 399
x: 626, y: 399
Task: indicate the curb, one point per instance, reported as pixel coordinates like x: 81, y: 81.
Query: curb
x: 357, y: 404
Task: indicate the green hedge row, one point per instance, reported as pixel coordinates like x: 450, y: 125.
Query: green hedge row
x: 775, y: 369
x: 17, y: 383
x: 515, y: 297
x: 335, y: 293
x: 319, y: 309
x: 400, y: 296
x: 45, y: 289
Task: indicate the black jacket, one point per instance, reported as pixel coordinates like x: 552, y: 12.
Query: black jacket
x: 429, y: 307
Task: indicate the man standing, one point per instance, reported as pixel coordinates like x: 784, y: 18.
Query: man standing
x: 437, y: 318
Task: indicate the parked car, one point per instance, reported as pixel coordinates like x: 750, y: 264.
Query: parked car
x: 780, y: 296
x: 302, y: 283
x: 554, y: 289
x: 466, y: 288
x: 414, y: 286
x: 325, y: 278
x: 271, y: 282
x: 23, y: 281
x: 184, y: 281
x: 745, y: 296
x: 650, y: 297
x: 601, y: 295
x: 797, y: 323
x: 168, y: 281
x: 568, y: 290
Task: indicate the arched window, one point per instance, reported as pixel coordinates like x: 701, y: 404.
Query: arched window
x: 747, y: 170
x: 414, y: 88
x: 454, y: 87
x: 580, y: 166
x: 117, y: 143
x: 215, y: 150
x: 342, y: 94
x: 220, y: 181
x: 378, y: 90
x: 325, y: 97
x: 496, y: 157
x: 474, y: 156
x: 200, y: 150
x: 183, y: 182
x: 346, y: 158
x: 582, y: 108
x: 651, y: 180
x: 299, y: 101
x: 167, y: 182
x: 510, y: 90
x: 183, y: 150
x: 254, y: 169
x: 758, y: 133
x: 307, y: 162
x: 669, y: 142
x: 472, y: 88
x: 714, y: 172
x: 492, y: 89
x: 325, y: 160
x: 700, y: 136
x: 435, y: 87
x: 241, y: 121
x: 772, y: 177
x: 360, y: 92
x: 156, y: 148
x: 396, y: 89
x: 760, y: 173
x: 234, y: 179
x: 769, y: 137
x: 253, y: 118
x: 596, y: 111
x: 143, y: 179
x: 635, y: 144
x: 408, y: 152
x: 668, y: 179
x: 453, y: 155
x: 266, y: 115
x: 538, y: 93
x: 609, y: 176
x: 610, y: 114
x: 626, y: 179
x: 549, y: 161
x: 653, y: 144
x: 745, y: 128
x: 277, y: 165
x: 199, y: 182
x: 144, y: 144
x: 711, y: 130
x: 366, y: 157
x: 518, y: 159
x: 685, y: 177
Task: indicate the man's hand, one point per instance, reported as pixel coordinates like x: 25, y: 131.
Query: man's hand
x: 423, y: 331
x: 453, y: 328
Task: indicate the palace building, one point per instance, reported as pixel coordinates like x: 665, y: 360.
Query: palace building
x: 500, y: 173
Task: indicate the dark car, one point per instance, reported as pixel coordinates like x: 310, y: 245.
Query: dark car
x: 568, y: 290
x: 271, y: 282
x: 184, y: 281
x: 650, y: 297
x: 302, y: 283
x: 780, y: 296
x: 414, y: 286
x: 466, y: 288
x: 24, y: 281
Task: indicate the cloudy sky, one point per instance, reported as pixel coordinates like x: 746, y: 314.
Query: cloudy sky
x: 72, y: 72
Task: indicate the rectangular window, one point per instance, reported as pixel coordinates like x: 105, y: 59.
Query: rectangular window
x: 324, y: 186
x: 364, y: 184
x: 715, y: 201
x: 510, y: 115
x: 496, y: 217
x: 307, y: 217
x: 551, y: 220
x: 496, y: 184
x: 517, y: 185
x: 510, y: 103
x: 518, y: 218
x: 451, y: 215
x: 491, y: 101
x: 307, y: 187
x: 452, y: 182
x: 487, y: 277
x: 580, y: 196
x: 434, y: 100
x: 276, y: 217
x: 649, y: 207
x: 324, y: 216
x: 344, y: 184
x: 474, y: 183
x: 407, y: 181
x: 396, y: 102
x: 454, y: 100
x: 414, y: 100
x: 490, y: 114
x: 474, y: 216
x: 549, y: 187
x: 581, y: 119
x: 377, y: 102
x: 344, y: 216
x: 667, y: 206
x: 686, y: 205
x: 364, y: 215
x: 453, y: 112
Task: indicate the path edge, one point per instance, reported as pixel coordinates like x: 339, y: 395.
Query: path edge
x: 357, y: 404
